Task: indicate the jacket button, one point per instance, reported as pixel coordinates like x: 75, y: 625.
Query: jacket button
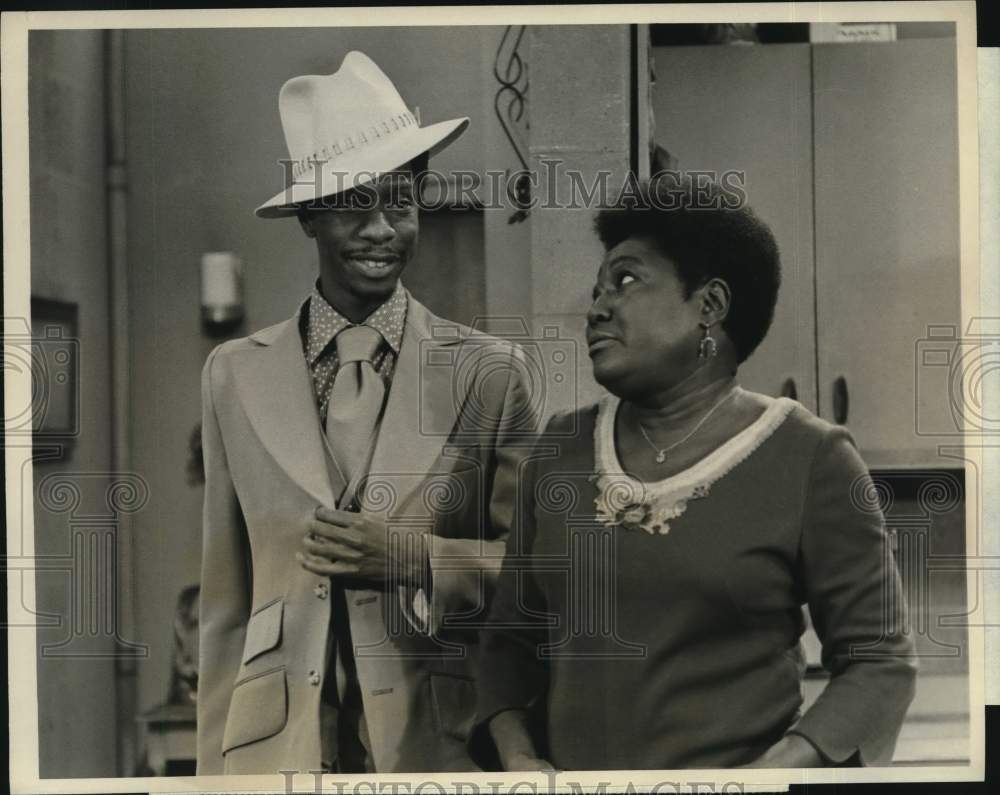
x: 313, y: 678
x: 321, y: 590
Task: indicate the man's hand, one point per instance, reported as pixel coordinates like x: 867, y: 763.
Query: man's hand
x: 356, y: 546
x: 792, y: 750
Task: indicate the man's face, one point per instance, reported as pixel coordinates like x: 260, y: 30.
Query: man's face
x: 366, y: 240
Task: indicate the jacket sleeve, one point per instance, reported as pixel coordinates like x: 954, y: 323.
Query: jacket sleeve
x: 852, y: 585
x: 511, y: 674
x: 225, y: 588
x: 508, y: 427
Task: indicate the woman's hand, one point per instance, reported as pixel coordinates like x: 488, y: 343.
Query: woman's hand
x: 510, y: 732
x: 524, y: 763
x: 792, y: 750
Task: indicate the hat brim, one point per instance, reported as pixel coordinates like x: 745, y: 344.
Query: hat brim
x: 431, y: 139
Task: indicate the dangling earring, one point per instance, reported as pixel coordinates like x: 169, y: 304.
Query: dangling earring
x: 707, y: 348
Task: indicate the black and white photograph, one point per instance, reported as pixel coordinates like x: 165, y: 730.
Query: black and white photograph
x: 504, y: 399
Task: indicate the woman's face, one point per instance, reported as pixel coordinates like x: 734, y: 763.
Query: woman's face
x: 642, y: 333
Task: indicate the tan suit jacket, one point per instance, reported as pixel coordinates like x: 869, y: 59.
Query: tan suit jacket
x: 457, y: 424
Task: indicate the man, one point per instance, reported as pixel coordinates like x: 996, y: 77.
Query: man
x: 360, y: 464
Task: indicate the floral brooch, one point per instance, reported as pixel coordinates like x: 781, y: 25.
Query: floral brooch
x: 626, y: 504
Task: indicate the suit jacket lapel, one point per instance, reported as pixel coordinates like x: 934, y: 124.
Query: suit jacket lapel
x: 275, y: 388
x: 423, y: 404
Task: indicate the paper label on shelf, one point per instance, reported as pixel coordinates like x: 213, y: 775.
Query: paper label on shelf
x: 842, y: 32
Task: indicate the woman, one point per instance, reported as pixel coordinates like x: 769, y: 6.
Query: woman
x: 649, y: 611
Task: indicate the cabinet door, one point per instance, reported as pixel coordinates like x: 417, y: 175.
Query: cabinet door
x: 887, y: 236
x: 749, y: 109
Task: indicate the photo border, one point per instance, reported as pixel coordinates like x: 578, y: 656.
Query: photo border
x: 22, y: 647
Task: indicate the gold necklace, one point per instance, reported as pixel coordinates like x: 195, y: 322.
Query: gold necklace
x: 661, y: 452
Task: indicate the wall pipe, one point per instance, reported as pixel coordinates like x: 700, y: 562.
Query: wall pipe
x: 126, y: 690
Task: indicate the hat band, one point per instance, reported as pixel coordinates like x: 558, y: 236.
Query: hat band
x: 358, y: 140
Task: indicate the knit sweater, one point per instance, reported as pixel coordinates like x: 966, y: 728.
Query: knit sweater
x: 659, y: 627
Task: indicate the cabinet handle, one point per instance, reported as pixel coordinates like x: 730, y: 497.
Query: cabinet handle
x: 840, y: 400
x: 789, y: 390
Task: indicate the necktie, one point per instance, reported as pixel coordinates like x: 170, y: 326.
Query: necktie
x: 351, y: 415
x: 355, y: 399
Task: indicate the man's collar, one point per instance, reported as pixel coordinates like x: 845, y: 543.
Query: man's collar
x: 325, y: 322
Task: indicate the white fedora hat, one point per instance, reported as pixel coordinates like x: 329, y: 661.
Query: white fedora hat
x: 345, y: 128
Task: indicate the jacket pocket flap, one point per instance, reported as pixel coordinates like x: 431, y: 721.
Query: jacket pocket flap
x: 258, y: 709
x: 263, y: 630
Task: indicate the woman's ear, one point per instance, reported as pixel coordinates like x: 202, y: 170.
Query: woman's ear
x: 305, y: 221
x: 716, y: 298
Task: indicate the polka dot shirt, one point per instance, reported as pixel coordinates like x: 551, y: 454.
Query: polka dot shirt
x: 324, y: 323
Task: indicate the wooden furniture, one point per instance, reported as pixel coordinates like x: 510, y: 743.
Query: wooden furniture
x: 168, y: 733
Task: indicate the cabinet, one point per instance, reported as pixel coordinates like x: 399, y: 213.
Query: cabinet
x: 748, y: 109
x: 850, y: 153
x: 887, y: 235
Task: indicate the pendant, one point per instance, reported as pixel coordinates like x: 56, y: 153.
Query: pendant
x: 661, y: 456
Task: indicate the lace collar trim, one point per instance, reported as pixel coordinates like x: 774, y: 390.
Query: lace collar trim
x: 626, y: 502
